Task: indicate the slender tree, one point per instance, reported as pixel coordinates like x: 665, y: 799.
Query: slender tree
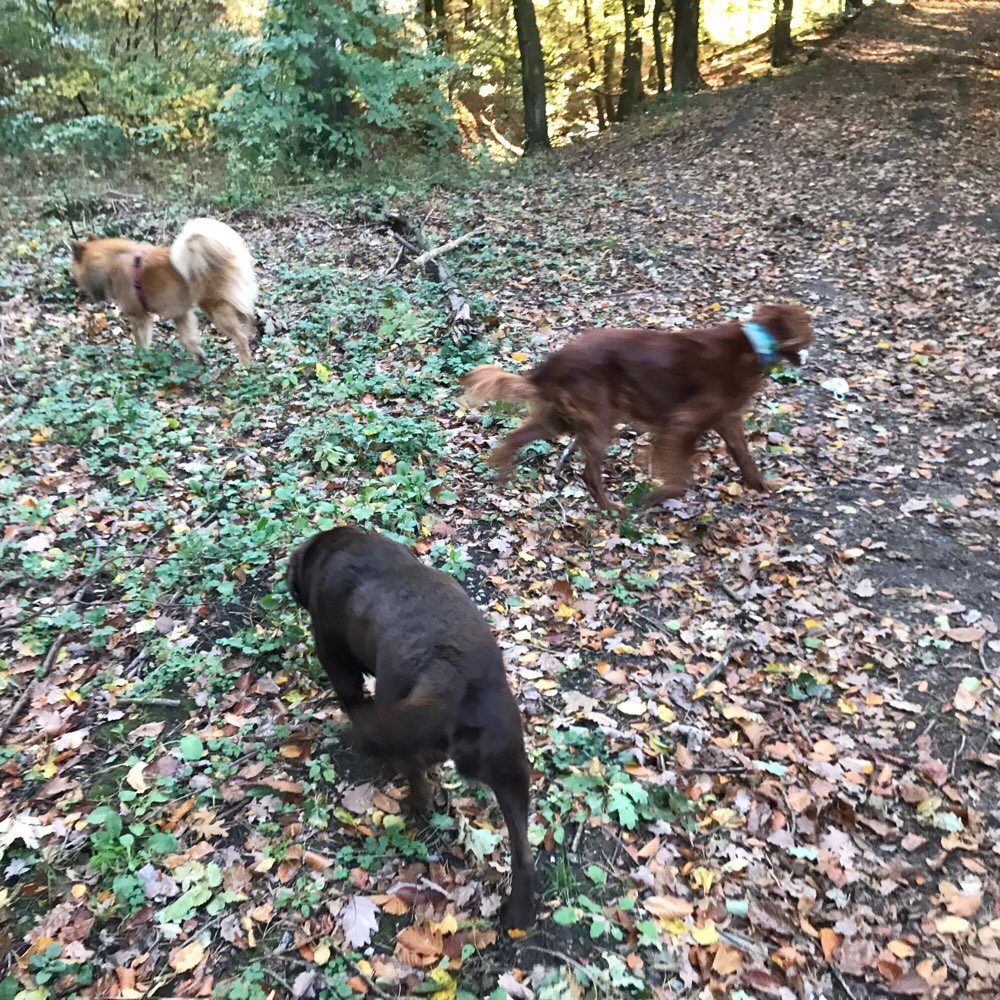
x: 684, y: 73
x: 441, y: 23
x: 781, y: 33
x: 435, y: 21
x: 588, y: 37
x: 631, y: 93
x: 661, y: 66
x: 529, y: 43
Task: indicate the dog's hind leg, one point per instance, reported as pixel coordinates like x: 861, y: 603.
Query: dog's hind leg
x: 235, y: 326
x: 509, y: 780
x: 187, y: 330
x: 502, y: 457
x: 730, y: 427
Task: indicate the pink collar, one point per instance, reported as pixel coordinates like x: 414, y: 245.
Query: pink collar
x: 137, y: 281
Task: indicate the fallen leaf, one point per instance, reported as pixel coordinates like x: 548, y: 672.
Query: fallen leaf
x: 359, y: 921
x: 668, y: 907
x: 135, y: 779
x: 418, y: 945
x: 186, y: 958
x: 952, y: 925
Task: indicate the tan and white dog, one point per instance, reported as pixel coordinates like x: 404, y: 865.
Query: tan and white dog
x: 208, y: 266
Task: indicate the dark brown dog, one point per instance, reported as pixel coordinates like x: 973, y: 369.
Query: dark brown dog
x: 676, y: 384
x: 440, y: 686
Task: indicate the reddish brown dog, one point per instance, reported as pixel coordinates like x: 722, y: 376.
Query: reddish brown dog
x: 676, y: 384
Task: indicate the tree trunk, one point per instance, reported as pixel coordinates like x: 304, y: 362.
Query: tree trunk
x: 435, y: 21
x: 588, y: 35
x: 631, y: 58
x: 608, y: 82
x: 781, y: 33
x: 684, y: 73
x: 661, y: 67
x: 529, y: 42
x: 441, y: 24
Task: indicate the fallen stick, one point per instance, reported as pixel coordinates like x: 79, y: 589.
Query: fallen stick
x: 50, y: 656
x: 460, y: 318
x: 429, y: 255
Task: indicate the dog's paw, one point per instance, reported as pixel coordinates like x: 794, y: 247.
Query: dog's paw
x: 661, y: 495
x: 517, y: 915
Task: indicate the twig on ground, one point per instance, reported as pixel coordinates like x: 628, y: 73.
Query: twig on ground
x: 840, y: 979
x: 459, y: 310
x: 137, y: 661
x: 733, y: 769
x: 399, y: 256
x: 720, y: 664
x: 370, y: 983
x: 729, y: 592
x: 140, y: 700
x: 30, y: 686
x: 567, y: 451
x: 50, y: 656
x: 655, y: 623
x: 591, y: 974
x: 430, y: 255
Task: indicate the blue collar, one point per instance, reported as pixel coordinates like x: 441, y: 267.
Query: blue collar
x: 762, y: 343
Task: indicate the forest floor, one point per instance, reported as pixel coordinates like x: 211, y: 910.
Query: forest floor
x: 765, y: 730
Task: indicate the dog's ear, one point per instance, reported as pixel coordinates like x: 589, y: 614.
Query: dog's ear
x: 293, y: 577
x: 79, y: 247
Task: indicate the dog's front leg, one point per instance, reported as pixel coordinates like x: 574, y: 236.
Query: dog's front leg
x: 421, y: 797
x: 345, y: 670
x: 594, y: 446
x: 672, y: 451
x: 142, y: 330
x: 730, y: 428
x: 187, y: 330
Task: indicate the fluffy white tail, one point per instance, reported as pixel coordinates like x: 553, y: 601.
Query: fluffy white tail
x: 213, y: 257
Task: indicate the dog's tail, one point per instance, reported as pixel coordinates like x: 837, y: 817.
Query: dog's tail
x: 211, y: 257
x: 417, y: 724
x: 487, y: 382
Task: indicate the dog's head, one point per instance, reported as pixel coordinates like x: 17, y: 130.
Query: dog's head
x: 88, y: 269
x: 326, y: 543
x: 791, y: 328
